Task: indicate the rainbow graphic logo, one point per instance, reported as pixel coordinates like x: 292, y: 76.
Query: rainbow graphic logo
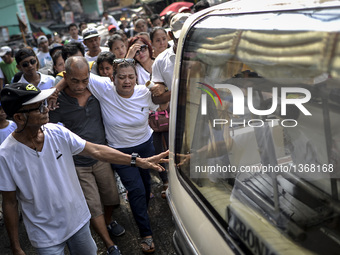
x: 204, y: 97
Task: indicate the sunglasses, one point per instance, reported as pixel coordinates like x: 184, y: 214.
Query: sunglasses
x: 32, y: 61
x: 41, y: 108
x: 118, y: 61
x: 143, y: 48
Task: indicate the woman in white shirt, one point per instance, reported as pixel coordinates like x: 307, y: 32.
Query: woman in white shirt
x: 159, y: 40
x: 125, y: 109
x: 141, y: 51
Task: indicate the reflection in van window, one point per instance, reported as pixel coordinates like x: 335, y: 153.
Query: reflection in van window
x: 259, y: 138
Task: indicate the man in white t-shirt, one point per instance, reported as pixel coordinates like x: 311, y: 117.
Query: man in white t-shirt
x: 108, y: 20
x: 92, y: 41
x: 43, y: 55
x: 37, y: 170
x: 74, y: 33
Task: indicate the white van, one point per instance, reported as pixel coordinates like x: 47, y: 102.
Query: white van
x: 255, y: 130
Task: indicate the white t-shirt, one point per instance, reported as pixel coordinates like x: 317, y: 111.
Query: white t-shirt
x: 47, y: 187
x: 125, y: 119
x: 4, y: 132
x: 46, y: 81
x: 110, y: 21
x: 44, y: 58
x: 1, y: 74
x: 163, y: 67
x: 89, y: 58
x: 79, y: 39
x: 142, y: 74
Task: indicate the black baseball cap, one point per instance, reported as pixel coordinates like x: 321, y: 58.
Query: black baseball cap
x: 16, y: 95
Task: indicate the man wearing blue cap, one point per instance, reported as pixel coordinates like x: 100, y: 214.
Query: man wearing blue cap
x: 37, y: 170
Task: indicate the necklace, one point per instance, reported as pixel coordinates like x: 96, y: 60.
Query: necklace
x: 35, y: 147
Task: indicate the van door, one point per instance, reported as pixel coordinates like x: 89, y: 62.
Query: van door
x: 255, y: 132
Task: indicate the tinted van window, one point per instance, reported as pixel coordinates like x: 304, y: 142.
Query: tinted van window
x: 258, y: 118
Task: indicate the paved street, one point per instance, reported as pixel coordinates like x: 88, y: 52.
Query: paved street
x: 161, y: 223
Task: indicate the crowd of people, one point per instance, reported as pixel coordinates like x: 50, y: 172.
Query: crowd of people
x: 94, y: 125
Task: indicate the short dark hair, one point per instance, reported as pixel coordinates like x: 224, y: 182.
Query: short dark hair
x: 24, y: 53
x: 154, y: 30
x: 121, y: 33
x: 72, y: 25
x: 114, y: 38
x: 106, y: 56
x: 71, y: 49
x: 82, y: 23
x: 55, y: 57
x: 154, y: 17
x: 200, y: 5
x: 124, y: 64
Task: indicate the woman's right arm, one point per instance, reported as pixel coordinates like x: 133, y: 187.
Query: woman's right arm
x: 52, y: 100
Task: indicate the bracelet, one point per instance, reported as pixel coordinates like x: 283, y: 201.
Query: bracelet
x: 134, y: 156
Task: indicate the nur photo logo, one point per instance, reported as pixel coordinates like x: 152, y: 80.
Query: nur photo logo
x: 240, y: 102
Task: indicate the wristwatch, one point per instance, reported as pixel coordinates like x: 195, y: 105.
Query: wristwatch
x: 134, y: 156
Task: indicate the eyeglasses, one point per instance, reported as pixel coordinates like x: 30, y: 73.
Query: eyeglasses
x: 32, y: 61
x: 143, y: 48
x: 41, y: 108
x: 118, y: 61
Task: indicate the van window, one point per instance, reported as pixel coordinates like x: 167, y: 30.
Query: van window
x: 258, y: 118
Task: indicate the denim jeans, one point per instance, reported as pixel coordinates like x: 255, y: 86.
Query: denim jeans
x: 81, y: 243
x: 137, y: 181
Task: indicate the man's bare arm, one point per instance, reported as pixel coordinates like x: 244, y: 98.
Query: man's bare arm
x: 11, y: 217
x: 108, y: 154
x: 162, y: 99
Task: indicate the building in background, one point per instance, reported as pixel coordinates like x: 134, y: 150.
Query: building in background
x: 39, y: 15
x: 9, y: 20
